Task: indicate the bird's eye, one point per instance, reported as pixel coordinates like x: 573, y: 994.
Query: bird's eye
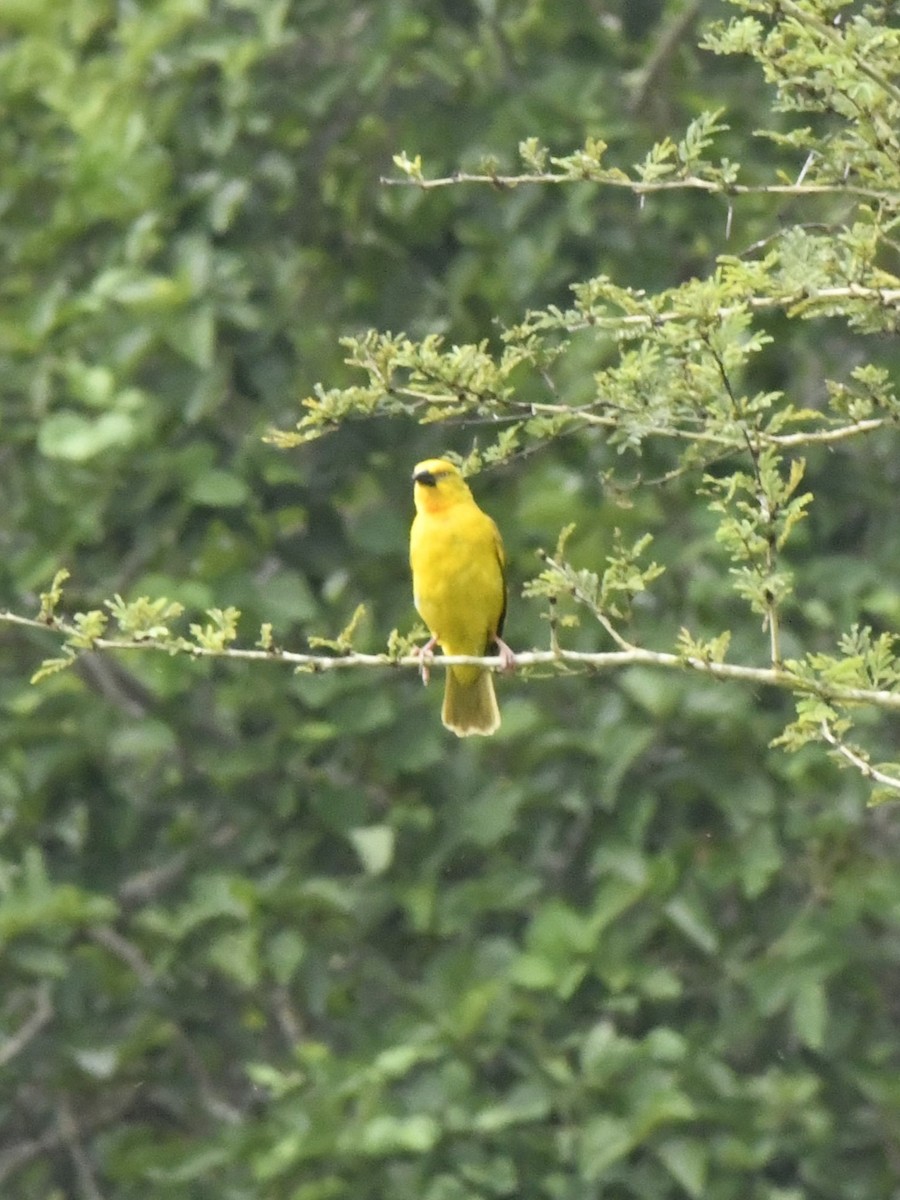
x: 426, y: 479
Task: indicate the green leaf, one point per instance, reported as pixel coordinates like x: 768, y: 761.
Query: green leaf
x: 693, y: 922
x: 193, y: 335
x: 71, y: 437
x: 285, y: 951
x: 52, y: 666
x: 219, y: 489
x: 100, y: 1062
x: 602, y: 1142
x: 375, y: 846
x: 686, y: 1160
x: 525, y: 1105
x: 397, y: 1135
x: 236, y: 955
x: 809, y: 1014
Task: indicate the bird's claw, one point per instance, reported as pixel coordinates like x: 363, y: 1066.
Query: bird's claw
x: 424, y: 654
x: 507, y: 656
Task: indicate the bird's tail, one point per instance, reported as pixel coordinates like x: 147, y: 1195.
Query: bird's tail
x: 470, y: 707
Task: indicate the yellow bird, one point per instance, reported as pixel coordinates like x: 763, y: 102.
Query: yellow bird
x: 457, y: 561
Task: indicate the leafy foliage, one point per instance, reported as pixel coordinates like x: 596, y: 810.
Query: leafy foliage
x: 266, y: 933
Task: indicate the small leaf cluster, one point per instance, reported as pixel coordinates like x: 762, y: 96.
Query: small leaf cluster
x: 759, y: 512
x: 607, y: 595
x: 828, y: 60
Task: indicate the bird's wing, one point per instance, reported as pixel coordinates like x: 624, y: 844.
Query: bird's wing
x: 501, y: 559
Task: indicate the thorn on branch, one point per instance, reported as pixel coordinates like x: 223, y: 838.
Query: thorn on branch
x: 554, y: 626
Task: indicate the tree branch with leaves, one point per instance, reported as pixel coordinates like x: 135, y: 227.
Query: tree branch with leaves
x: 674, y: 373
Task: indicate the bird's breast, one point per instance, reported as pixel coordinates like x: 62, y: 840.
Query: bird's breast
x: 457, y: 579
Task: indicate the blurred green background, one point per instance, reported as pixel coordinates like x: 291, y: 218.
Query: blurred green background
x: 278, y: 937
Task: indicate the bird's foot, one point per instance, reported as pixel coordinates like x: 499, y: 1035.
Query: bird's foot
x: 426, y: 657
x: 507, y: 656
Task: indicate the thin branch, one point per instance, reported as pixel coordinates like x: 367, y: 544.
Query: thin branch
x: 112, y: 682
x: 602, y: 661
x: 888, y: 297
x: 753, y: 449
x: 212, y: 1102
x: 555, y: 647
x: 133, y: 958
x: 671, y: 36
x: 70, y: 1133
x: 640, y: 188
x: 289, y: 1022
x: 823, y: 436
x: 17, y: 1156
x: 146, y: 885
x: 624, y: 645
x: 30, y: 1028
x: 128, y: 952
x: 611, y: 420
x: 856, y: 760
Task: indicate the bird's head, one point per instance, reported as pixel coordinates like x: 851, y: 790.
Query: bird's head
x: 438, y: 484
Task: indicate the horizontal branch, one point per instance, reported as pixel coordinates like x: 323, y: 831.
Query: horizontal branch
x: 641, y: 188
x: 837, y: 433
x: 887, y: 297
x: 560, y: 659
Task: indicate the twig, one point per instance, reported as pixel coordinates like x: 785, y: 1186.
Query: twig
x: 555, y: 647
x: 290, y: 1024
x: 131, y: 955
x: 888, y: 297
x: 217, y: 1107
x: 625, y: 646
x: 146, y: 885
x: 117, y: 686
x: 858, y: 761
x: 666, y: 45
x: 839, y: 433
x: 31, y: 1027
x: 641, y: 188
x: 17, y: 1156
x: 84, y: 1172
x: 128, y: 952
